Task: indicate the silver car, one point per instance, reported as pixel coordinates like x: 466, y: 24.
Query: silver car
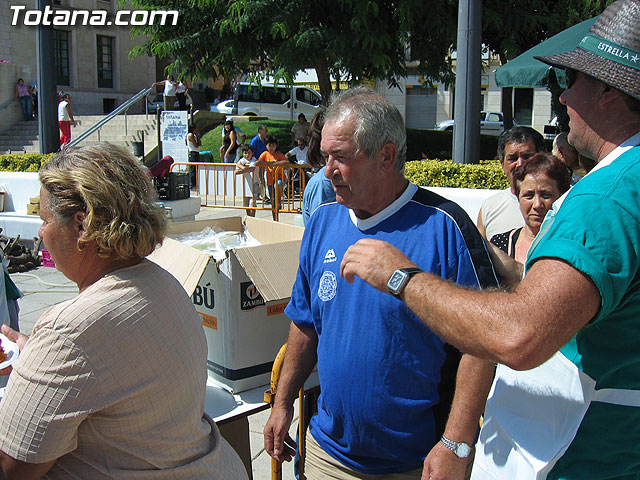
x: 491, y: 123
x: 224, y: 107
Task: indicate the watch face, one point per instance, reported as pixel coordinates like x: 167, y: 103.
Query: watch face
x: 396, y: 280
x: 463, y: 450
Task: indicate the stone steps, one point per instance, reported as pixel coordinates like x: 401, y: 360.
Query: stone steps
x: 23, y: 136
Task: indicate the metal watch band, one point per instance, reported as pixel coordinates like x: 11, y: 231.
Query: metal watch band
x: 460, y: 449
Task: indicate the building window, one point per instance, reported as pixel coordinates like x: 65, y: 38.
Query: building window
x: 105, y: 61
x: 523, y: 105
x: 61, y: 43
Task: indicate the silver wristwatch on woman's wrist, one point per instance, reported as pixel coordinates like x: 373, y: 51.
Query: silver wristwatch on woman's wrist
x: 461, y: 449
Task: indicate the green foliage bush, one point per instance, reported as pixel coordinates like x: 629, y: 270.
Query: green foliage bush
x: 23, y: 162
x: 437, y: 173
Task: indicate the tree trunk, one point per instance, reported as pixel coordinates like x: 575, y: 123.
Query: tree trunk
x: 324, y: 79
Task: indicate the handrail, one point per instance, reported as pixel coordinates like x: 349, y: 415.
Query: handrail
x: 6, y: 104
x: 107, y: 118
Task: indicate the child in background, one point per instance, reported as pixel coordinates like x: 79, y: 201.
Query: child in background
x: 272, y: 159
x: 245, y: 166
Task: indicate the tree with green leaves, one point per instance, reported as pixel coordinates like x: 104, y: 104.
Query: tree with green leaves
x: 350, y: 40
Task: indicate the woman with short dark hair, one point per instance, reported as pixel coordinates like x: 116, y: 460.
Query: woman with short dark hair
x: 539, y: 181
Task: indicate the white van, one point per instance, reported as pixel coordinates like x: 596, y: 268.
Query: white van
x: 273, y: 101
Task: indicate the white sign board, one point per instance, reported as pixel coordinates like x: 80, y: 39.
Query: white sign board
x: 173, y: 134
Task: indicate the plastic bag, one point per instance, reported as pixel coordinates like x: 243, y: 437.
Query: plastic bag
x: 217, y: 243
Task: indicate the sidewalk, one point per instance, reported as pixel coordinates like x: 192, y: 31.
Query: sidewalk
x: 45, y: 286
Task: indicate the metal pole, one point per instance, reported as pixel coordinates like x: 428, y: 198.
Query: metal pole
x: 158, y: 117
x: 291, y: 100
x: 47, y: 96
x: 466, y: 129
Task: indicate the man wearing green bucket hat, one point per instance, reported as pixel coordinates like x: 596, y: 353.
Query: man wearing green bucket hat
x: 565, y: 403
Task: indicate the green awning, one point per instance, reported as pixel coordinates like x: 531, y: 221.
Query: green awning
x: 526, y: 71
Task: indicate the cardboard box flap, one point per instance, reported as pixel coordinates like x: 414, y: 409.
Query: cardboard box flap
x: 219, y: 224
x: 183, y: 262
x: 268, y: 232
x: 271, y: 268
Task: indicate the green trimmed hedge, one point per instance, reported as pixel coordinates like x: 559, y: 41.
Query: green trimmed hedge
x: 445, y: 173
x: 433, y: 173
x: 23, y: 162
x: 435, y: 144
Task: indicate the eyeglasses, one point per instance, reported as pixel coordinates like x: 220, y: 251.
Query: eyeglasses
x: 570, y: 75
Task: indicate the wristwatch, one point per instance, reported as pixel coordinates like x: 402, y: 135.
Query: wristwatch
x: 461, y: 449
x: 399, y: 279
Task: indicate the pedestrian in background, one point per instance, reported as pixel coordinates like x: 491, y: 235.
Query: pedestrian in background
x: 65, y: 119
x: 23, y: 94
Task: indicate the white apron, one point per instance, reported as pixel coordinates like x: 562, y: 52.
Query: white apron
x: 532, y: 417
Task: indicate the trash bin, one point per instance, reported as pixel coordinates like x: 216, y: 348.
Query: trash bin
x: 206, y: 156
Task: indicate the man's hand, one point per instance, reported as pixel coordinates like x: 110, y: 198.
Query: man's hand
x: 277, y: 441
x: 374, y: 261
x: 443, y: 464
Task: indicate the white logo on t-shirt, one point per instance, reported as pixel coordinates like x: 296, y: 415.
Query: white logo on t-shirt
x: 330, y: 256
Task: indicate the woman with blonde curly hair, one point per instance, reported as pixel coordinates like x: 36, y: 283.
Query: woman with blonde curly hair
x: 111, y: 384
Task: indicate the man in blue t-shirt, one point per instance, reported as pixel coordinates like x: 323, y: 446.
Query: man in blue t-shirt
x: 259, y: 147
x: 258, y: 142
x: 565, y: 403
x: 387, y: 381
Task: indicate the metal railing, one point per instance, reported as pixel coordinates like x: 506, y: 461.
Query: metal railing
x: 7, y: 103
x: 107, y: 118
x: 218, y: 185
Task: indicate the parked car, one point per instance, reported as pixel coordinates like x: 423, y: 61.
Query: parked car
x: 158, y: 102
x: 491, y: 123
x: 154, y: 103
x: 224, y: 107
x: 274, y: 101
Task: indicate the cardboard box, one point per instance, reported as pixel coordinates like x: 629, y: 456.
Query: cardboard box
x: 33, y: 209
x: 241, y: 298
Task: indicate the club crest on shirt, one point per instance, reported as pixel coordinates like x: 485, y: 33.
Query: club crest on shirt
x: 327, y: 287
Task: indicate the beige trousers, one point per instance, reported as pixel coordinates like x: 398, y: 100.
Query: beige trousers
x: 319, y: 465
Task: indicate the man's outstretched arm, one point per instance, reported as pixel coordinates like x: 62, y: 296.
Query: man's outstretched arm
x: 298, y: 363
x: 521, y: 329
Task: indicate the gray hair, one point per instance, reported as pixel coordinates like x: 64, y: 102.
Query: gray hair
x: 378, y: 121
